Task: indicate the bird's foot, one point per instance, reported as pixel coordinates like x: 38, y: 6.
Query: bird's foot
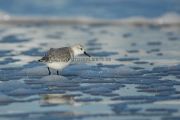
x: 49, y: 71
x: 57, y: 72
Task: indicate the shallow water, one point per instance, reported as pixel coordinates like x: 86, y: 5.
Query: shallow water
x: 104, y: 9
x: 136, y: 75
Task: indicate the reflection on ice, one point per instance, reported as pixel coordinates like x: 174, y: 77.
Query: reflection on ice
x: 56, y: 99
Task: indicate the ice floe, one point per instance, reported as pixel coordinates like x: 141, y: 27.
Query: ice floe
x: 109, y: 72
x: 9, y: 86
x: 75, y: 70
x: 4, y: 99
x: 35, y: 71
x: 23, y: 92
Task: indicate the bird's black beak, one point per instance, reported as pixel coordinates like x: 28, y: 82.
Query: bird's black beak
x: 87, y: 54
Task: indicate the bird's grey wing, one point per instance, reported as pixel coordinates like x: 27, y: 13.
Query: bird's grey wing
x: 59, y: 55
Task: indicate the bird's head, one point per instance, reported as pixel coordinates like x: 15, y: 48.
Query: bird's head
x: 79, y: 49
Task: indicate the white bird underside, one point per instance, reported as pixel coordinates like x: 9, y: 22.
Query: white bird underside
x: 58, y: 65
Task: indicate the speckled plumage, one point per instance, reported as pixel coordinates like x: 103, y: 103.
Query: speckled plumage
x: 63, y: 54
x: 59, y: 58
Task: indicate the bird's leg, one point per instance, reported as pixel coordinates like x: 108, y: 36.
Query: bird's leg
x: 57, y: 72
x: 49, y: 71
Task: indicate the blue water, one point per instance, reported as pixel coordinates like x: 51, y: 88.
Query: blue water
x: 105, y: 9
x: 140, y: 81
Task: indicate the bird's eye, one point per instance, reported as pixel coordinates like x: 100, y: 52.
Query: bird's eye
x: 81, y: 48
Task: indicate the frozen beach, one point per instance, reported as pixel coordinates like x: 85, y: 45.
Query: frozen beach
x: 134, y: 72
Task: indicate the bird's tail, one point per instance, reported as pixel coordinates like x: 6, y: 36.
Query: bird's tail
x: 40, y: 60
x: 43, y: 59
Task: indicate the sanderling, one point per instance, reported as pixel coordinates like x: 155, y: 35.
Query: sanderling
x: 59, y: 58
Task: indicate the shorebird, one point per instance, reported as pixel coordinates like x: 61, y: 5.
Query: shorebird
x: 59, y: 58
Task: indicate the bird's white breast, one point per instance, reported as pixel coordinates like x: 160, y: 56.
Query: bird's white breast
x: 58, y: 65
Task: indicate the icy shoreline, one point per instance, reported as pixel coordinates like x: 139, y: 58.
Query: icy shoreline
x: 164, y: 20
